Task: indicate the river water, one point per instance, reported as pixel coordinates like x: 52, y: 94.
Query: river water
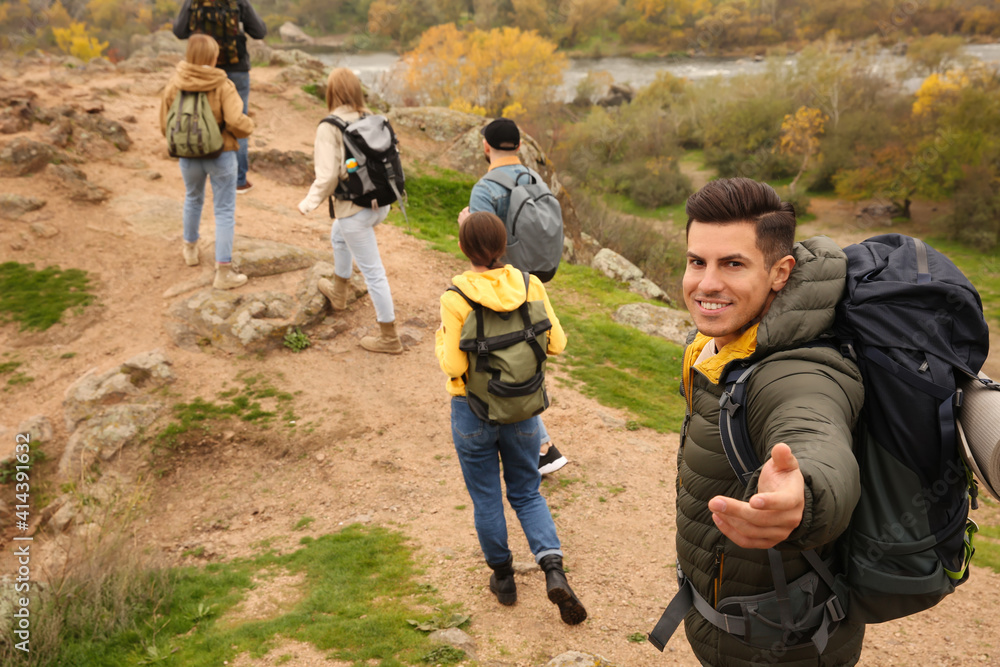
x: 373, y: 68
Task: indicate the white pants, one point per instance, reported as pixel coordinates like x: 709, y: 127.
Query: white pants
x: 353, y: 238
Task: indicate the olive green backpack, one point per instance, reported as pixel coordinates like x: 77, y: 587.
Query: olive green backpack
x: 505, y: 382
x: 191, y: 128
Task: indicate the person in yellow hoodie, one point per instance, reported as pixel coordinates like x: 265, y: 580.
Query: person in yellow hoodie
x: 197, y: 72
x: 482, y: 445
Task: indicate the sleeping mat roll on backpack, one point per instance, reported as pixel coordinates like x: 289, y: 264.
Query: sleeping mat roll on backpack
x: 914, y: 325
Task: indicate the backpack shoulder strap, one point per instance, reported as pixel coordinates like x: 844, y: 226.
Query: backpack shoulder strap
x: 336, y: 121
x: 482, y: 347
x: 511, y: 182
x: 733, y: 425
x: 500, y: 178
x: 529, y: 328
x: 733, y: 416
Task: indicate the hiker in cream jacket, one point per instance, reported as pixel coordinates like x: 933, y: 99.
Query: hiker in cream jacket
x: 353, y: 231
x: 198, y: 73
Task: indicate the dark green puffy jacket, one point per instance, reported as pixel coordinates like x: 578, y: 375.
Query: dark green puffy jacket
x: 807, y: 397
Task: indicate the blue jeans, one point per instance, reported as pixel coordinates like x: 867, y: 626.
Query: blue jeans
x: 242, y: 81
x: 353, y: 238
x: 222, y: 171
x: 481, y: 448
x: 543, y: 433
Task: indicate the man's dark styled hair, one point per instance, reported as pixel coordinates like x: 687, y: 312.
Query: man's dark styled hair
x: 731, y: 200
x: 483, y: 239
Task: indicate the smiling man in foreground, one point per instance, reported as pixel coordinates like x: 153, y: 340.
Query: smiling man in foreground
x: 756, y: 296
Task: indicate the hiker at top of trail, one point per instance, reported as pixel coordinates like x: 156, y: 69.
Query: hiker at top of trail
x: 496, y: 399
x: 215, y: 104
x: 354, y: 216
x: 228, y: 22
x: 492, y: 193
x: 756, y: 295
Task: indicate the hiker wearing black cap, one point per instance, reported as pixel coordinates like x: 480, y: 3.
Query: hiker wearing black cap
x: 501, y: 141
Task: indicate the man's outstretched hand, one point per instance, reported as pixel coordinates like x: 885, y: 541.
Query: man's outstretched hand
x: 773, y: 512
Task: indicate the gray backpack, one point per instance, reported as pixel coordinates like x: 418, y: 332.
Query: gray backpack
x: 534, y: 224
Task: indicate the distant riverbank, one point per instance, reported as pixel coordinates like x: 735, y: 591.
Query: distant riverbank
x: 372, y: 68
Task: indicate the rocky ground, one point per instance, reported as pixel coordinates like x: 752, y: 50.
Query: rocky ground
x: 371, y: 440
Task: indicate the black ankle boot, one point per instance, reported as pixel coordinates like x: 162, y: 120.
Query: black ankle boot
x: 570, y: 607
x: 502, y: 582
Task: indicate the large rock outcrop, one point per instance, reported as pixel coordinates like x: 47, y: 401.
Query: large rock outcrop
x: 674, y: 325
x: 246, y: 320
x: 293, y: 34
x: 618, y: 268
x: 104, y: 412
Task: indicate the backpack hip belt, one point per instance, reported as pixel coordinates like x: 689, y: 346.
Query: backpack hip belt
x: 790, y: 614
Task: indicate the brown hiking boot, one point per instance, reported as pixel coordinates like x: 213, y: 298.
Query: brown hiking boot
x: 226, y: 277
x: 191, y: 253
x: 336, y: 291
x: 387, y: 341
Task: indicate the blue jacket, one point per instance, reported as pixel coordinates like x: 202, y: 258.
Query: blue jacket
x: 493, y: 197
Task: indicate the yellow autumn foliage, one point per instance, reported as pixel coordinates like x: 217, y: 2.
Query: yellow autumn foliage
x: 514, y: 111
x: 491, y: 69
x: 465, y: 106
x: 75, y: 41
x: 800, y: 132
x: 936, y: 87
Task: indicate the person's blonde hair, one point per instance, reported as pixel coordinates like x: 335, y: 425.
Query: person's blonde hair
x: 343, y: 88
x: 202, y: 50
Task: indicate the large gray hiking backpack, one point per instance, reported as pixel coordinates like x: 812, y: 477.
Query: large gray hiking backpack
x: 378, y: 178
x: 914, y: 325
x: 534, y: 224
x: 505, y: 382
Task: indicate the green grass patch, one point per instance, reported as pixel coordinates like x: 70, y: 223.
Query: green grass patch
x: 38, y: 298
x: 987, y: 543
x: 435, y: 199
x: 696, y: 158
x: 295, y: 340
x: 8, y: 472
x: 316, y: 90
x: 981, y: 268
x: 357, y: 595
x: 303, y: 523
x: 619, y: 366
x: 242, y: 402
x: 624, y: 204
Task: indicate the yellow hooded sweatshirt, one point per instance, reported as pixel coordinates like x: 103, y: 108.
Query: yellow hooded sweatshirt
x: 499, y: 289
